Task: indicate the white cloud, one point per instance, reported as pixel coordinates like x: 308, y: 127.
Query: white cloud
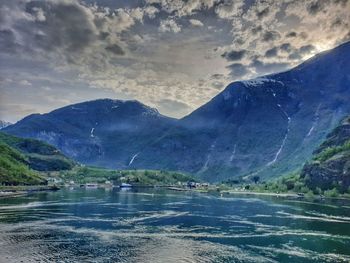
x: 182, y: 8
x: 132, y: 52
x: 229, y: 9
x: 25, y: 82
x: 169, y: 25
x: 195, y: 22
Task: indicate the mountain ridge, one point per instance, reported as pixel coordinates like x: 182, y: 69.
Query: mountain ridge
x: 266, y: 126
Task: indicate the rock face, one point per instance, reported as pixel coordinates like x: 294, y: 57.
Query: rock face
x: 267, y: 126
x: 330, y: 167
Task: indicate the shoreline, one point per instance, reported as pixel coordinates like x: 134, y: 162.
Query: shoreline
x: 21, y: 191
x: 285, y: 195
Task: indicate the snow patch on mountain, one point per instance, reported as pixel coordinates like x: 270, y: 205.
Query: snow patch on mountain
x: 284, y: 139
x: 206, y: 164
x: 233, y: 153
x: 314, y: 123
x: 150, y: 112
x: 133, y: 158
x: 259, y: 81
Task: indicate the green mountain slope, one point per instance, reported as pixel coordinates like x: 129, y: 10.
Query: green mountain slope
x: 14, y: 168
x: 40, y: 156
x: 21, y: 160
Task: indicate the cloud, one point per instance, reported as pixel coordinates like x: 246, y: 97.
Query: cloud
x: 269, y: 36
x: 169, y: 25
x: 229, y: 9
x: 272, y: 52
x: 280, y: 34
x: 195, y: 22
x: 25, y: 82
x: 182, y: 8
x: 115, y: 49
x: 70, y: 30
x: 260, y: 67
x: 178, y: 108
x: 316, y: 7
x: 234, y: 55
x: 7, y: 41
x: 307, y: 49
x: 286, y: 47
x: 291, y: 34
x: 157, y: 49
x: 238, y: 70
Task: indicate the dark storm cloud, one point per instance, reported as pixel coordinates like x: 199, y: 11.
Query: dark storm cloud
x: 64, y: 25
x: 286, y: 47
x: 263, y: 13
x: 115, y: 49
x: 271, y: 52
x: 69, y: 31
x: 270, y: 36
x: 234, y: 55
x: 237, y: 70
x: 291, y: 34
x: 316, y: 7
x: 47, y: 27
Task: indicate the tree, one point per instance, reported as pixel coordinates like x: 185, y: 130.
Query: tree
x: 256, y: 179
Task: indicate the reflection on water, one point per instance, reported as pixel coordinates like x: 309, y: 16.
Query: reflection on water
x: 100, y: 225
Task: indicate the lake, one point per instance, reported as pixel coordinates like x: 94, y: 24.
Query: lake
x: 157, y: 225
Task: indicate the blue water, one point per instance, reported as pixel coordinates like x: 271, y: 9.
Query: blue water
x: 101, y: 225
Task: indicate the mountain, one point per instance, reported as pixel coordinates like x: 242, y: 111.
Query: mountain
x: 108, y: 133
x: 266, y: 126
x: 330, y: 166
x: 4, y: 124
x: 38, y: 155
x: 22, y: 159
x: 14, y: 169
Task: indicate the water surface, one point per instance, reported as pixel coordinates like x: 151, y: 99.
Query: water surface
x: 100, y: 225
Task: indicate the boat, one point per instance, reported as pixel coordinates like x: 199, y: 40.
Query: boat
x: 125, y: 185
x: 91, y: 185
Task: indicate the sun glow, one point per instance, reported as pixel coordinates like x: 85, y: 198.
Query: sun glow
x: 323, y: 46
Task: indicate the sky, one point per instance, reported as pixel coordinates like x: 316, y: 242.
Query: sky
x: 174, y: 55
